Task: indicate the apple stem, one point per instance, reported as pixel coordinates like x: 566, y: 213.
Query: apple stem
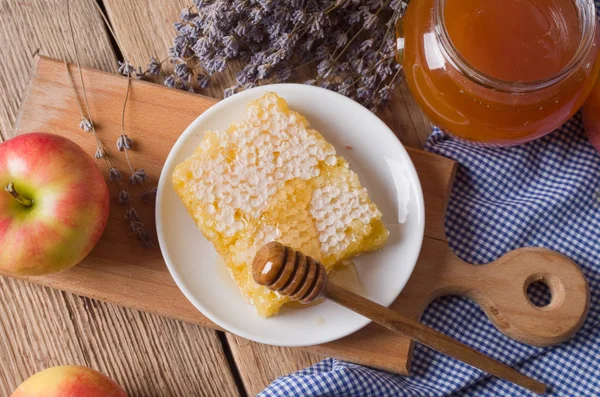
x: 10, y: 188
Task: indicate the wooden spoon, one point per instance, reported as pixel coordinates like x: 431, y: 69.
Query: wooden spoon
x: 304, y: 279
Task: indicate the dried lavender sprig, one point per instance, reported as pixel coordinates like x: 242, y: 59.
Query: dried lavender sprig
x: 123, y: 139
x: 86, y: 125
x: 149, y: 194
x: 123, y: 197
x: 115, y: 175
x: 274, y: 38
x: 138, y: 177
x: 87, y: 122
x: 99, y: 153
x: 126, y: 68
x: 137, y: 226
x: 123, y: 143
x: 154, y: 67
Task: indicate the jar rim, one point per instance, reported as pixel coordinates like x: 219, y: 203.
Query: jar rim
x: 587, y: 17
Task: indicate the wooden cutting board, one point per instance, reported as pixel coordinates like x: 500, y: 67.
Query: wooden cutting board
x: 120, y: 271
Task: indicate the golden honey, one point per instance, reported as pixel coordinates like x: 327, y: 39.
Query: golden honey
x: 499, y: 72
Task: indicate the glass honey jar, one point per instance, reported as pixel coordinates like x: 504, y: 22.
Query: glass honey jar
x: 499, y: 72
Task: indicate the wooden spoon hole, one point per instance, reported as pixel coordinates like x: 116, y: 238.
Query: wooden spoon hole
x: 544, y: 291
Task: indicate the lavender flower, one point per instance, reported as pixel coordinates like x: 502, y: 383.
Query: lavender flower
x: 370, y: 20
x: 182, y: 71
x: 86, y: 125
x: 170, y: 81
x: 348, y: 43
x: 398, y: 5
x: 203, y: 80
x: 365, y: 45
x: 115, y: 174
x: 232, y: 46
x: 123, y: 143
x: 315, y: 22
x: 138, y: 177
x: 298, y: 17
x: 187, y: 15
x: 148, y: 195
x: 240, y: 29
x: 359, y: 65
x: 325, y: 68
x: 385, y: 93
x: 137, y: 226
x: 229, y: 91
x: 131, y: 215
x: 99, y: 153
x: 123, y: 197
x: 126, y: 69
x: 353, y: 17
x: 341, y: 39
x: 363, y: 92
x: 153, y: 67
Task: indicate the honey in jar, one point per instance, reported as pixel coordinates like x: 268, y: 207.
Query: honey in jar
x: 499, y: 72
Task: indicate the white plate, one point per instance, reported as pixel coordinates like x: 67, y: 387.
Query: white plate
x: 384, y: 168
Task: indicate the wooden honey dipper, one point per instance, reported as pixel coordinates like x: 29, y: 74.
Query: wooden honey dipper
x: 302, y: 278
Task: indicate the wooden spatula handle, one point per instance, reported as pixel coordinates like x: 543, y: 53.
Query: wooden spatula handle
x: 428, y: 336
x: 500, y: 288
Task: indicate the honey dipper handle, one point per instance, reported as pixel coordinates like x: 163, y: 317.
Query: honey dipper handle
x: 429, y: 337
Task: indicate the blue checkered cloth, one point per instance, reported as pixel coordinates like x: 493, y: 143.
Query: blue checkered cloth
x: 543, y: 194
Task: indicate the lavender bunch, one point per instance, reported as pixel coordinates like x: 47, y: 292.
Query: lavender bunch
x: 349, y: 44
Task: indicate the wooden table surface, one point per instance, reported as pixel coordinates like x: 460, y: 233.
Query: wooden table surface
x: 148, y: 355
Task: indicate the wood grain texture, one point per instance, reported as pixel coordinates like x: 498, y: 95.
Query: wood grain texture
x: 259, y: 364
x: 145, y: 28
x: 427, y: 336
x: 154, y: 119
x: 148, y: 355
x: 29, y: 26
x: 500, y: 288
x: 42, y: 327
x: 119, y: 270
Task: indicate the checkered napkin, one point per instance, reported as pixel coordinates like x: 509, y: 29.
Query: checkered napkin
x: 544, y: 194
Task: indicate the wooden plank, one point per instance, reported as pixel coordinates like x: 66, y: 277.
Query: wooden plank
x: 151, y: 355
x: 42, y: 327
x: 154, y: 120
x: 29, y: 26
x: 148, y: 355
x: 260, y: 364
x: 126, y: 273
x: 145, y: 28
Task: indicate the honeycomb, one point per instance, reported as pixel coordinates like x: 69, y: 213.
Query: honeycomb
x: 270, y: 177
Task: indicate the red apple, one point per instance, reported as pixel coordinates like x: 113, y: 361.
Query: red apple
x: 591, y: 116
x: 69, y: 381
x: 55, y: 206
